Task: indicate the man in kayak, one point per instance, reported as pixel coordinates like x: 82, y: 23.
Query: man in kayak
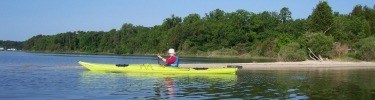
x: 172, y: 60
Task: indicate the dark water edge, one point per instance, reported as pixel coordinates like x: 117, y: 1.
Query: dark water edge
x: 40, y: 76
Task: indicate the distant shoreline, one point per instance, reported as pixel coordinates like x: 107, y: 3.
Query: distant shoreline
x: 304, y: 65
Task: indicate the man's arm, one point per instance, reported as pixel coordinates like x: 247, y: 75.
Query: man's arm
x: 165, y: 60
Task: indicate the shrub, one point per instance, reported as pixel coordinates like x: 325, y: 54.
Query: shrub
x: 365, y: 49
x: 255, y: 49
x: 202, y: 53
x: 320, y: 43
x: 292, y: 52
x: 268, y: 48
x: 340, y: 49
x: 241, y: 48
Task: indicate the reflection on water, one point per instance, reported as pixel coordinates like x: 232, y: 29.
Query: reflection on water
x: 28, y: 76
x: 305, y: 84
x: 159, y: 86
x: 309, y: 84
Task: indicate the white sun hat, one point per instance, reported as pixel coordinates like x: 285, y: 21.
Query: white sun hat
x: 171, y: 51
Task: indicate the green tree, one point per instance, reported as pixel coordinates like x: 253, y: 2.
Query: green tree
x: 349, y: 29
x: 107, y: 43
x: 11, y: 44
x: 31, y: 44
x: 217, y: 14
x: 357, y: 11
x: 321, y: 20
x: 191, y: 18
x: 366, y: 49
x: 285, y: 15
x: 369, y: 15
x: 285, y: 18
x: 172, y: 22
x: 264, y: 21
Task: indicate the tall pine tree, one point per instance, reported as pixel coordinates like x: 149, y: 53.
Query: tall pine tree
x: 321, y: 20
x: 285, y: 15
x: 357, y: 11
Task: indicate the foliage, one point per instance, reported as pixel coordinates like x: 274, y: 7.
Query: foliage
x: 357, y: 11
x: 321, y: 20
x: 285, y: 15
x: 319, y: 43
x: 365, y: 49
x: 366, y: 13
x: 268, y: 48
x: 241, y: 48
x: 350, y: 29
x: 11, y: 44
x: 292, y: 52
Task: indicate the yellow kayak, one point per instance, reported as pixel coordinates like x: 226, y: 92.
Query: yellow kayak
x: 153, y: 68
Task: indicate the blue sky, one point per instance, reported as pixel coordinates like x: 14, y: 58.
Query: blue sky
x: 22, y: 19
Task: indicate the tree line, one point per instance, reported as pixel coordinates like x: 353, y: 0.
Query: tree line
x: 219, y: 33
x: 11, y: 44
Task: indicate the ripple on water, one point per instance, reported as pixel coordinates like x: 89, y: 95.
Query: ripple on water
x: 32, y: 76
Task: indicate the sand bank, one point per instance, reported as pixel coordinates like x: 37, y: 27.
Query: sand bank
x: 292, y: 65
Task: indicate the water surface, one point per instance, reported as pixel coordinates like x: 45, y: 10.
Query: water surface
x: 58, y: 76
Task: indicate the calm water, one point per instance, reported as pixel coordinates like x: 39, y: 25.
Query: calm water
x: 58, y: 76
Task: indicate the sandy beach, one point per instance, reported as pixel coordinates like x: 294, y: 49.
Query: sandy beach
x: 337, y: 65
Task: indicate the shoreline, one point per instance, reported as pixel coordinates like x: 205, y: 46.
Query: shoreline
x: 304, y: 65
